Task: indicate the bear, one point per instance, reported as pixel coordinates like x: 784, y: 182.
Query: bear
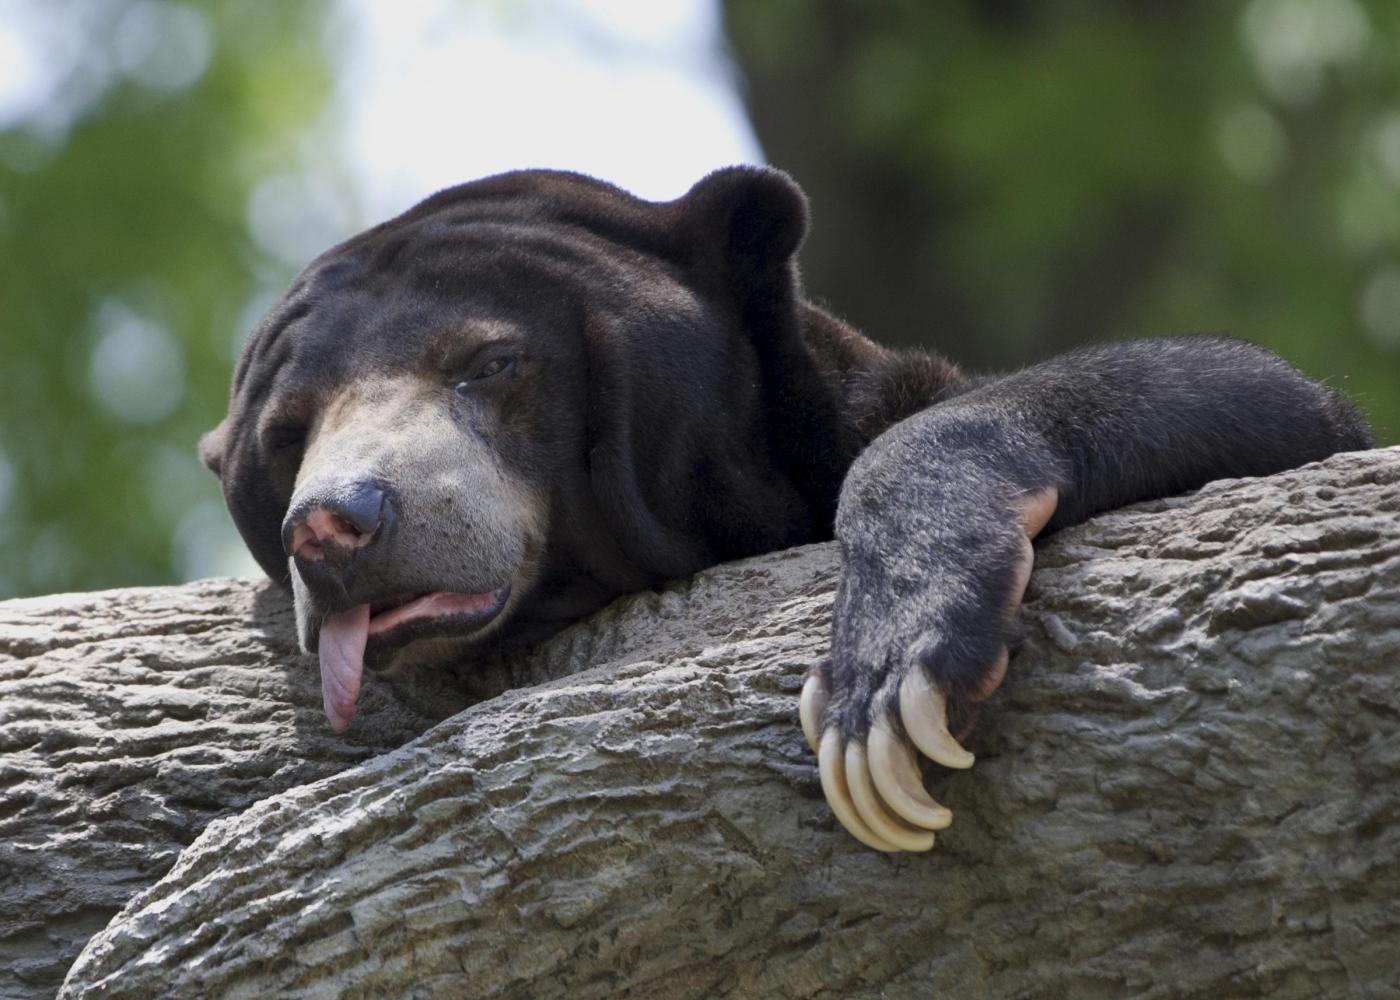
x: 482, y: 420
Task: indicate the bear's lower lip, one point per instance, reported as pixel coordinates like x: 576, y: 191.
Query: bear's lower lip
x: 439, y: 611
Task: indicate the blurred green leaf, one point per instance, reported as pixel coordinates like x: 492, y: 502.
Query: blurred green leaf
x: 125, y: 272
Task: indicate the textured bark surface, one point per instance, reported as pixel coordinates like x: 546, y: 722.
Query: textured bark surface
x: 1189, y: 786
x: 128, y: 720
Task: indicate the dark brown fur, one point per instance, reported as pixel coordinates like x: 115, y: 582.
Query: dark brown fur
x: 673, y: 402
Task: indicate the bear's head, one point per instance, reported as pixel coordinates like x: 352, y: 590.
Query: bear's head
x: 523, y: 397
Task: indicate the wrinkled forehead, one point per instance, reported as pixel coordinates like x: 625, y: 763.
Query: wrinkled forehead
x: 356, y: 314
x: 393, y: 330
x: 400, y: 296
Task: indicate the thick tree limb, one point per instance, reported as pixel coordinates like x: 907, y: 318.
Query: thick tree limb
x: 1189, y: 786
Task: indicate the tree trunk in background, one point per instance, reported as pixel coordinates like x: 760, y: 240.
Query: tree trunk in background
x: 855, y: 100
x: 1189, y: 786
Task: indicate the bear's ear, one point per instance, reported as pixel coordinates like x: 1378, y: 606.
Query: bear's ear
x: 745, y: 223
x: 212, y: 446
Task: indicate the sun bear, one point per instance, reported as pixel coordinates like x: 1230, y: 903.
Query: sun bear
x: 531, y: 394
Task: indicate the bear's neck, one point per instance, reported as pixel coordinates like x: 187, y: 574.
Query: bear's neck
x: 876, y: 386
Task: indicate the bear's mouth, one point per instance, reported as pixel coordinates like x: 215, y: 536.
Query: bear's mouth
x: 388, y: 615
x: 370, y: 633
x: 400, y: 619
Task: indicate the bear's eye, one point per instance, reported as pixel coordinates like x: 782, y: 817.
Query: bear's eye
x: 491, y: 369
x: 285, y: 439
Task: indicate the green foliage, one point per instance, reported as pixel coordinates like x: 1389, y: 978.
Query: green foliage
x: 126, y: 270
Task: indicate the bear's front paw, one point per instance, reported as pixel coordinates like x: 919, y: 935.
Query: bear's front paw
x: 884, y: 699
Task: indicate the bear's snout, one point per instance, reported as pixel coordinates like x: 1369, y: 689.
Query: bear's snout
x: 329, y: 525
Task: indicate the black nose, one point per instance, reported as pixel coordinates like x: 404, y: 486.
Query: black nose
x: 334, y: 519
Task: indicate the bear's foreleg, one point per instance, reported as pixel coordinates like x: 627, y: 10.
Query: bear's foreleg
x: 935, y: 522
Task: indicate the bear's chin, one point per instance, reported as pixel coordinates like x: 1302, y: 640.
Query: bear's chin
x: 432, y: 640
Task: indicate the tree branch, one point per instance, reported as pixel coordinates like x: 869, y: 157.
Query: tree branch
x: 1190, y: 785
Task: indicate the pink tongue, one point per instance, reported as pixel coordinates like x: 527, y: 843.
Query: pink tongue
x: 342, y: 647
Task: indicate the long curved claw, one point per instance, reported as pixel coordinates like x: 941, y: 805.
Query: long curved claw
x: 897, y: 779
x: 812, y: 707
x: 1036, y: 508
x: 831, y: 763
x: 925, y: 715
x: 877, y: 816
x: 995, y: 675
x: 1021, y: 575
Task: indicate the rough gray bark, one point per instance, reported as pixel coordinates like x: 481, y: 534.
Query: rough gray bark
x: 1190, y: 786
